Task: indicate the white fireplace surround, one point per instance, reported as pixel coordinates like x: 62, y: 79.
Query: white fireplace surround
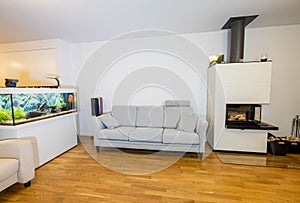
x: 237, y: 83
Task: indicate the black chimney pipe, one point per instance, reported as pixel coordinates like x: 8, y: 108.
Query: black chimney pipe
x: 237, y: 26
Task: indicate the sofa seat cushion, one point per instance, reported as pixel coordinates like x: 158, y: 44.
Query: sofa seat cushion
x: 173, y: 136
x: 8, y: 167
x: 150, y: 116
x: 126, y: 115
x: 146, y: 135
x: 120, y: 133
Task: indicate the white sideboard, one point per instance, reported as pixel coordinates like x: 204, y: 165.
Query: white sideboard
x: 50, y: 137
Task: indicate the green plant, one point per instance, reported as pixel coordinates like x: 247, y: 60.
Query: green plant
x: 59, y: 105
x: 4, y: 115
x: 19, y: 113
x: 63, y: 104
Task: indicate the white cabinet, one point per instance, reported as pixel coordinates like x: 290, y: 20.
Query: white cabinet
x: 50, y: 137
x: 237, y: 83
x: 46, y: 116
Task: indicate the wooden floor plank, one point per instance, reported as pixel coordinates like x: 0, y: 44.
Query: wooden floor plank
x: 76, y: 177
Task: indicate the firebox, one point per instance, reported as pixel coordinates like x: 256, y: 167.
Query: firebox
x: 246, y: 116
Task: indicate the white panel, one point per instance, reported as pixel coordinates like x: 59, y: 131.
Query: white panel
x: 210, y: 105
x: 248, y: 93
x: 246, y: 82
x: 243, y: 140
x: 245, y: 72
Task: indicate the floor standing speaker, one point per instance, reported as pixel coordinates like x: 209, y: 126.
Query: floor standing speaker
x: 97, y: 106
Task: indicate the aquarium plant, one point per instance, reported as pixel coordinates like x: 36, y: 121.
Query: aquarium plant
x: 4, y: 115
x: 19, y: 113
x: 64, y: 106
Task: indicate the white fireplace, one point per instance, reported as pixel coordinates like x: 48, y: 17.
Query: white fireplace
x: 233, y: 85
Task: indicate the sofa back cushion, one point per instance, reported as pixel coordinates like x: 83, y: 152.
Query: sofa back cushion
x: 173, y: 114
x: 187, y: 123
x: 126, y: 115
x: 109, y: 121
x: 149, y: 116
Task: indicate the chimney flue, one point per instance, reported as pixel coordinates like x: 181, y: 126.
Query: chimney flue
x: 237, y: 26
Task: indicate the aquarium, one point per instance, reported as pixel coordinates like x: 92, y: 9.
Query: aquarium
x: 22, y: 107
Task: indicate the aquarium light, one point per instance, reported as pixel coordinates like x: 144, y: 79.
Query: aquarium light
x: 55, y: 77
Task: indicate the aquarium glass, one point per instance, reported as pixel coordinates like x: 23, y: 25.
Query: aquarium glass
x: 22, y: 108
x: 5, y: 109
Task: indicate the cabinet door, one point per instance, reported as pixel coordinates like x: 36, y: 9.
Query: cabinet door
x: 246, y: 82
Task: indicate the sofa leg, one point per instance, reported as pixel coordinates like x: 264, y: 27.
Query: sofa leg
x: 200, y: 156
x: 27, y: 184
x: 98, y: 149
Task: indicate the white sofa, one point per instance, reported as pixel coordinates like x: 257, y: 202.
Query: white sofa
x: 172, y: 127
x: 16, y: 162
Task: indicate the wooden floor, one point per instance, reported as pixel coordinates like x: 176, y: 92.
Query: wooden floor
x: 76, y: 177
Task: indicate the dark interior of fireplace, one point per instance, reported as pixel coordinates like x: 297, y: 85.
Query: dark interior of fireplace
x: 246, y: 116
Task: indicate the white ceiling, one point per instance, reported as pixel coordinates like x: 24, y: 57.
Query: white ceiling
x: 97, y: 20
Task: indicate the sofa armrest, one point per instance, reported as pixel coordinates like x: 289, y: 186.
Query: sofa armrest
x: 20, y: 149
x: 201, y: 129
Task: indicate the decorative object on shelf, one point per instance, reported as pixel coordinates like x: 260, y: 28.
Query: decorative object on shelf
x: 264, y: 57
x: 216, y: 58
x: 11, y: 82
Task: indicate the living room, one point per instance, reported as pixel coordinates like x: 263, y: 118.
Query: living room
x: 144, y: 53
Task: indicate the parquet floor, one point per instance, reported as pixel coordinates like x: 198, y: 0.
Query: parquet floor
x: 76, y: 177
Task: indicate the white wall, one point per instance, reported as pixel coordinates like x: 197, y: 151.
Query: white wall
x: 282, y: 44
x: 145, y: 71
x: 30, y: 62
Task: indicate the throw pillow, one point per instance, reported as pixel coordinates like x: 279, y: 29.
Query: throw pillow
x: 187, y: 123
x: 109, y: 121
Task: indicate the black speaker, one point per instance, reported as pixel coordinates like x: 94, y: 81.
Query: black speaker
x: 96, y: 106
